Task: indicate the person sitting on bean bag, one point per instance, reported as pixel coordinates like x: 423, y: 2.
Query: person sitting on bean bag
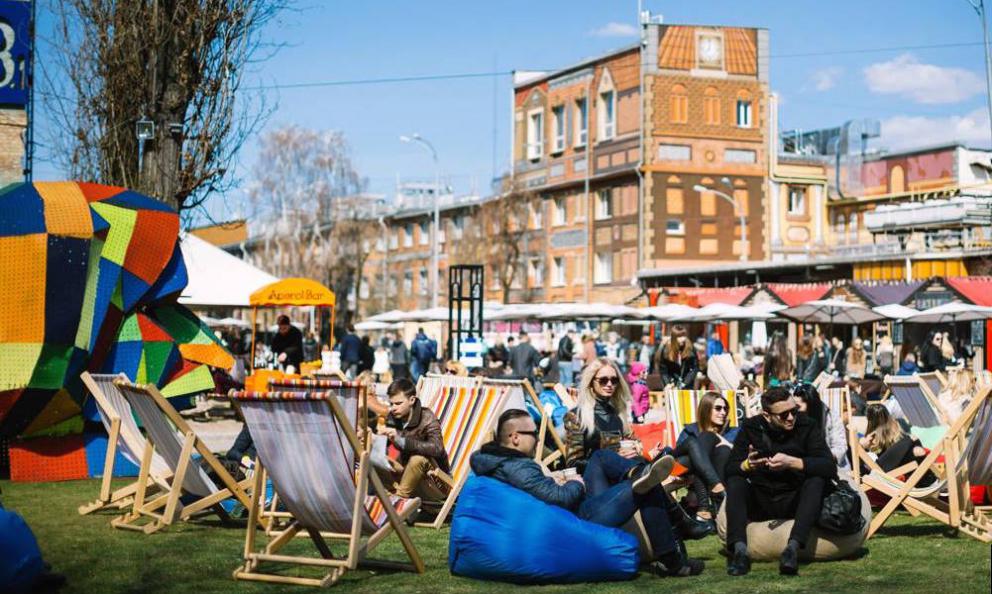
x: 510, y: 459
x: 779, y: 467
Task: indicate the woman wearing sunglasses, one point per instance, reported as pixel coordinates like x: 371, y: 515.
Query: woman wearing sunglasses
x: 704, y: 448
x: 808, y: 399
x: 601, y: 420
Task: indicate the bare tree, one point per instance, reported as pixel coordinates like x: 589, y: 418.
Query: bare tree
x: 496, y: 239
x: 308, y: 217
x: 178, y: 64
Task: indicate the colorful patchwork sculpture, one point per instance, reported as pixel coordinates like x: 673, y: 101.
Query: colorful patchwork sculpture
x: 89, y: 277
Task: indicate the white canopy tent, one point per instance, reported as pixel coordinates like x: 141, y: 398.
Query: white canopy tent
x: 895, y: 311
x: 216, y: 278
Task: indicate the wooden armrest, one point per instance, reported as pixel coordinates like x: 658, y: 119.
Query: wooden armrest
x: 904, y: 469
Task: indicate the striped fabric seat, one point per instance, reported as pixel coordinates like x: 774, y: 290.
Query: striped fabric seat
x: 837, y: 400
x: 308, y: 445
x: 124, y: 437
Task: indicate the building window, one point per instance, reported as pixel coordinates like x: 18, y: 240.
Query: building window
x: 560, y: 213
x: 422, y: 280
x: 797, y: 200
x: 535, y: 135
x: 535, y: 272
x: 839, y: 226
x: 711, y: 107
x: 457, y: 226
x: 678, y: 105
x: 603, y: 268
x: 607, y: 115
x: 394, y: 240
x: 425, y: 233
x: 852, y: 227
x: 604, y: 204
x: 408, y: 235
x: 743, y: 113
x: 674, y: 152
x: 407, y: 283
x: 675, y: 227
x: 558, y: 271
x: 581, y: 122
x: 740, y: 156
x: 363, y: 292
x: 558, y: 120
x: 537, y: 215
x: 380, y: 244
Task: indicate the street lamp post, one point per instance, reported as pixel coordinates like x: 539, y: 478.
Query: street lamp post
x: 435, y: 232
x: 739, y: 212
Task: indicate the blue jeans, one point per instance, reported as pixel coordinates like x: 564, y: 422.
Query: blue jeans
x: 417, y: 369
x: 610, y: 501
x: 565, y: 373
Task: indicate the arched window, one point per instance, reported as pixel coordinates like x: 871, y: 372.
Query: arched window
x: 678, y: 105
x: 711, y: 107
x: 897, y: 180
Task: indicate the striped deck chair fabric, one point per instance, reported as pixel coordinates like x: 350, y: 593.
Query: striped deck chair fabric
x: 837, y: 400
x: 522, y: 396
x: 468, y: 413
x: 915, y: 399
x: 127, y: 439
x: 306, y: 443
x: 934, y: 380
x: 181, y: 449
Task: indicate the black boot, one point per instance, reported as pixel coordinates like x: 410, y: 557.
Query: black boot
x: 738, y: 560
x: 685, y: 526
x: 789, y: 562
x: 677, y: 564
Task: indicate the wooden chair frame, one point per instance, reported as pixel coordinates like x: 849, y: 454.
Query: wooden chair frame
x: 143, y: 508
x: 110, y: 498
x: 358, y: 546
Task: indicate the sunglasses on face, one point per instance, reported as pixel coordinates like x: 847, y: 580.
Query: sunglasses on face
x: 608, y: 380
x: 531, y: 433
x: 720, y: 408
x: 792, y: 412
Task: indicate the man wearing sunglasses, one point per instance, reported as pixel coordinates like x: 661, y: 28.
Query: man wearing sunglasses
x: 510, y: 459
x: 778, y: 468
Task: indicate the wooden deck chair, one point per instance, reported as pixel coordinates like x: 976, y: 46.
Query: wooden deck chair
x: 823, y: 381
x: 935, y: 380
x: 961, y: 449
x: 124, y: 437
x: 468, y: 412
x: 682, y: 409
x: 307, y: 444
x: 172, y: 438
x: 568, y: 395
x: 916, y: 399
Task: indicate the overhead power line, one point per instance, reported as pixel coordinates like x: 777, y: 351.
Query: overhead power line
x: 496, y: 73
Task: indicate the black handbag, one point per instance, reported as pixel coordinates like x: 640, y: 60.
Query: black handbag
x: 841, y: 510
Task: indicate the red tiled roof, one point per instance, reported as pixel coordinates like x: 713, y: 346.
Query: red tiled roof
x: 706, y: 295
x: 977, y: 289
x: 794, y: 294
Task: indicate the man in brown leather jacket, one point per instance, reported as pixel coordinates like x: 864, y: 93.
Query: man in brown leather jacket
x: 416, y: 433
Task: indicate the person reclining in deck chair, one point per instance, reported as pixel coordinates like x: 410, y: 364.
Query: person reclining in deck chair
x: 416, y: 433
x: 778, y: 468
x: 609, y: 494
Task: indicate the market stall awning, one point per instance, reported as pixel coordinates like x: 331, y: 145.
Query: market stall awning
x: 216, y: 278
x: 831, y: 311
x: 293, y: 291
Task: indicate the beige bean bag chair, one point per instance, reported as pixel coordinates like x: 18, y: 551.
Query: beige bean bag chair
x: 765, y: 540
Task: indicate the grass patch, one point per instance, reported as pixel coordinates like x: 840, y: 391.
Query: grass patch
x: 909, y: 555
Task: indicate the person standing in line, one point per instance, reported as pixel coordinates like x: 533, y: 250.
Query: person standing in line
x: 422, y: 353
x: 566, y: 346
x: 351, y: 352
x: 885, y: 356
x: 399, y: 357
x: 524, y: 358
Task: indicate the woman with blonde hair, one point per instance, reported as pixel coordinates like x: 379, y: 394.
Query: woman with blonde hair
x: 885, y: 355
x: 601, y: 420
x: 676, y: 360
x: 959, y: 391
x: 856, y: 360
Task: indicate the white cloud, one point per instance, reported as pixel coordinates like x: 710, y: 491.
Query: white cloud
x: 614, y: 29
x: 826, y: 78
x: 901, y: 132
x: 923, y: 83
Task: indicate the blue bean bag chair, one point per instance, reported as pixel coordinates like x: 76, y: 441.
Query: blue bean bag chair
x: 504, y: 534
x: 20, y: 558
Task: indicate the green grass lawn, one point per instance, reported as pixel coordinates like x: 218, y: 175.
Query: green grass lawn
x: 909, y: 555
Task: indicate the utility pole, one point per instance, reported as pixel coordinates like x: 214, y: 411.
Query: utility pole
x: 979, y: 6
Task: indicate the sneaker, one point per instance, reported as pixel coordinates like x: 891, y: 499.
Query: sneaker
x: 788, y: 564
x: 652, y: 475
x: 738, y: 563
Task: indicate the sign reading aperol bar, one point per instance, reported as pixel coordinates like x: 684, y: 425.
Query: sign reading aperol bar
x: 293, y: 291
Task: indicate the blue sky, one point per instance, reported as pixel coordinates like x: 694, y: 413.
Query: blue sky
x: 922, y: 95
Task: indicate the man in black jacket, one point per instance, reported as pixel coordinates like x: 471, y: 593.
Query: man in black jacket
x: 778, y: 469
x: 511, y: 459
x: 287, y: 344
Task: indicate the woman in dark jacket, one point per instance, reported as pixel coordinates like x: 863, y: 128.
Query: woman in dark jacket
x: 811, y: 360
x: 931, y: 356
x: 676, y: 360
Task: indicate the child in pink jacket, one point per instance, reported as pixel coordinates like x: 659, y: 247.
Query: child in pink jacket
x: 641, y: 401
